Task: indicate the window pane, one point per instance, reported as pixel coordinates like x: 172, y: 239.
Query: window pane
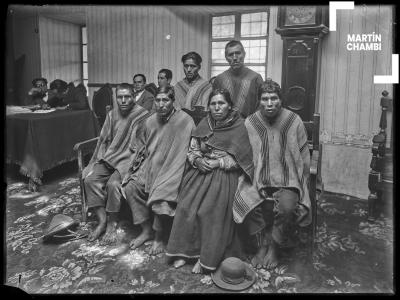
x: 215, y: 70
x: 223, y: 27
x: 85, y: 71
x: 84, y: 35
x: 255, y: 24
x: 84, y: 53
x: 256, y: 51
x: 259, y: 69
x: 218, y: 52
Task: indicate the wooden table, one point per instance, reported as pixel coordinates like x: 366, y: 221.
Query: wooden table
x: 40, y: 141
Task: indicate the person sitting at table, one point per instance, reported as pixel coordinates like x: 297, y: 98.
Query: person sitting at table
x: 219, y: 152
x: 37, y: 95
x: 110, y: 162
x: 151, y: 186
x: 66, y: 96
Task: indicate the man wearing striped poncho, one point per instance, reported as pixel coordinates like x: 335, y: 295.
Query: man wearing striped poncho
x: 278, y: 198
x: 192, y: 90
x: 242, y: 83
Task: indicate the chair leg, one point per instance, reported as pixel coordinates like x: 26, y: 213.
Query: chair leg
x: 84, y: 202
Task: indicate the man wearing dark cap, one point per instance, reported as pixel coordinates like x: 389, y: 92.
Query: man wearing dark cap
x: 192, y: 90
x: 278, y: 197
x: 37, y: 95
x: 66, y: 96
x: 242, y: 83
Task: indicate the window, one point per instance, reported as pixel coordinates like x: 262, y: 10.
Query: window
x: 249, y: 28
x: 85, y: 75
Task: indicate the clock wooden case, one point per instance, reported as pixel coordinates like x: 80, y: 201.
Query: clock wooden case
x: 301, y: 29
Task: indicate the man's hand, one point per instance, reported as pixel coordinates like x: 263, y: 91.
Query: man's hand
x: 202, y: 165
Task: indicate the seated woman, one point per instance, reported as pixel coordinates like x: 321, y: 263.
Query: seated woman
x: 219, y: 152
x: 66, y: 96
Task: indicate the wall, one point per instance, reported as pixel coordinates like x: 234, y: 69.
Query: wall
x: 26, y: 42
x: 349, y: 101
x: 275, y: 48
x: 61, y: 50
x: 124, y: 40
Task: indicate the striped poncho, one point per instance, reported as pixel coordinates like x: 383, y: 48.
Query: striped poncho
x: 243, y: 87
x: 194, y: 94
x: 281, y: 159
x: 115, y: 139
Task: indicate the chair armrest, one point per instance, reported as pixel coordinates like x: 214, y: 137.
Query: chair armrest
x: 314, y: 163
x: 87, y: 145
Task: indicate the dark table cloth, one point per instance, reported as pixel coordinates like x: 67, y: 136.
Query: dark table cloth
x: 39, y: 142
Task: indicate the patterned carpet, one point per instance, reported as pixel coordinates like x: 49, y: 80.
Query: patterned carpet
x: 352, y: 255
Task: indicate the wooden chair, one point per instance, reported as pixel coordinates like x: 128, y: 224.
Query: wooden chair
x: 101, y: 99
x: 83, y: 149
x: 316, y: 186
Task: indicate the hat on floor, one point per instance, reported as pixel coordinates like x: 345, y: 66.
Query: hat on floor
x: 60, y: 226
x: 233, y: 274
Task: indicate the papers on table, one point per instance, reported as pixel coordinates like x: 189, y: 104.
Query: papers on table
x: 12, y: 110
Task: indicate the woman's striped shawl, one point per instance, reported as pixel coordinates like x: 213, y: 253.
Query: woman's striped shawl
x: 281, y: 159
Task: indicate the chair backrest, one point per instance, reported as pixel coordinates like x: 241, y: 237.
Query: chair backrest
x: 312, y: 128
x: 101, y: 99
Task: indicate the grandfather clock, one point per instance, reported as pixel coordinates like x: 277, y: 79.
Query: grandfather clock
x: 301, y: 29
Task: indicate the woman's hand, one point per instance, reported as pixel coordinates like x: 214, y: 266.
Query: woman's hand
x: 213, y: 163
x: 202, y: 165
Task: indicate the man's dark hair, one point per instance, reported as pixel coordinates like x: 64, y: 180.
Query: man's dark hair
x: 233, y: 43
x: 192, y: 55
x: 144, y: 77
x: 124, y: 86
x: 168, y: 89
x: 59, y: 85
x: 223, y: 92
x: 168, y: 73
x: 39, y: 79
x: 269, y: 86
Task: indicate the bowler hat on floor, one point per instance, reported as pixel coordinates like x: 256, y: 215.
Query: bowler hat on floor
x: 233, y: 274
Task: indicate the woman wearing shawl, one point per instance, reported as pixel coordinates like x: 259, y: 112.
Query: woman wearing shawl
x: 219, y: 152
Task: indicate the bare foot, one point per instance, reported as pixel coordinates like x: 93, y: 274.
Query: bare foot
x: 143, y: 237
x: 94, y: 235
x: 110, y: 237
x: 197, y: 269
x: 271, y: 259
x: 258, y: 260
x: 179, y: 263
x: 157, y: 247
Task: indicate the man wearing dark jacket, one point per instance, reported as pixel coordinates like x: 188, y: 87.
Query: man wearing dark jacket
x: 142, y: 97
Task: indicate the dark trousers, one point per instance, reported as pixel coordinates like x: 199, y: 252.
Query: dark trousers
x: 103, y: 187
x: 137, y: 200
x: 275, y: 216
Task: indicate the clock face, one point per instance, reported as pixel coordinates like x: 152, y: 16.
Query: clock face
x: 300, y: 15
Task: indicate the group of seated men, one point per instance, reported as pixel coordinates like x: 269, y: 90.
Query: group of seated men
x: 165, y: 129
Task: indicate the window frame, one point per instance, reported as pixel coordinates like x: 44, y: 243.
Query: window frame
x: 236, y: 36
x: 83, y: 61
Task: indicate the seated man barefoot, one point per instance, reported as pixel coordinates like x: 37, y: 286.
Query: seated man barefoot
x: 151, y: 187
x: 278, y: 197
x: 110, y: 162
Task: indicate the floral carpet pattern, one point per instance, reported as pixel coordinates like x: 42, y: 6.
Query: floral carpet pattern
x: 351, y: 255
